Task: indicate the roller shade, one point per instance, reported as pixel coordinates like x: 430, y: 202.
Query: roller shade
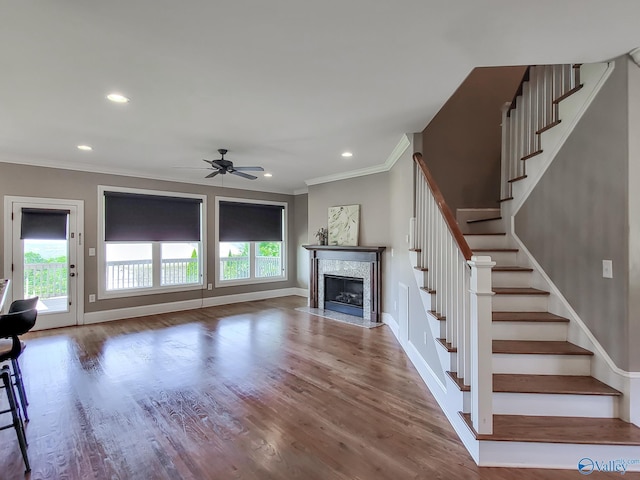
x: 43, y: 224
x: 151, y: 218
x: 249, y: 222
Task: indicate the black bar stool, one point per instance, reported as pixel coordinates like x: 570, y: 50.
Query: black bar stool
x: 12, y: 324
x: 7, y: 384
x: 19, y: 306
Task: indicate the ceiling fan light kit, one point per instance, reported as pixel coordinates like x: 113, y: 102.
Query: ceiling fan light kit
x: 222, y: 167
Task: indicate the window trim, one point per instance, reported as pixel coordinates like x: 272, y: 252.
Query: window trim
x: 103, y: 293
x: 284, y: 249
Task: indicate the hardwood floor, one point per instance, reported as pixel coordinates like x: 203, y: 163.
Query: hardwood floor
x: 246, y: 391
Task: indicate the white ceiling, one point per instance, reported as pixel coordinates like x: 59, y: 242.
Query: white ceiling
x: 286, y: 84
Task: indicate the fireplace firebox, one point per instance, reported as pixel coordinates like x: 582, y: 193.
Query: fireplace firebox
x: 344, y: 294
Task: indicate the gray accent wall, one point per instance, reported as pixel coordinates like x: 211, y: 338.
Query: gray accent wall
x: 462, y: 143
x: 301, y: 205
x: 24, y: 180
x: 577, y: 216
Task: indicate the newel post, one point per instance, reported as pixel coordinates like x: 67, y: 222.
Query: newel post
x: 481, y: 349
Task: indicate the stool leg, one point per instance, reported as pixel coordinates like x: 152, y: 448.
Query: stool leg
x: 17, y: 421
x: 17, y: 374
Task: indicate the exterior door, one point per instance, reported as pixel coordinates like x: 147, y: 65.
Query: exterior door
x: 45, y: 242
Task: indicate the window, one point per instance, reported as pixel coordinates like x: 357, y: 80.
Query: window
x: 250, y: 241
x: 150, y: 241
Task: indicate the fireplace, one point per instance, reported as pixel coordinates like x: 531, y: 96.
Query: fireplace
x: 344, y: 294
x: 359, y: 264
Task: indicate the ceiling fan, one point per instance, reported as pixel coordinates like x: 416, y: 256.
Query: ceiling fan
x: 222, y: 167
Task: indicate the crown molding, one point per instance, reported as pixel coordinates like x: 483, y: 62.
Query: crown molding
x: 395, y: 154
x: 301, y: 191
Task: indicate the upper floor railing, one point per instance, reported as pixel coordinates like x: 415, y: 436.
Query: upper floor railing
x: 533, y: 111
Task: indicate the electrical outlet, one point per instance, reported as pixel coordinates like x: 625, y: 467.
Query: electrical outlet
x: 210, y: 287
x: 92, y: 298
x: 92, y: 252
x: 392, y: 252
x: 607, y: 268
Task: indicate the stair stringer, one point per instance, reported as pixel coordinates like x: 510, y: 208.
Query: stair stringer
x: 449, y: 397
x: 570, y: 111
x: 603, y: 367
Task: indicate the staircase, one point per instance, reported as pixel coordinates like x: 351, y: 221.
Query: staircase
x: 525, y: 394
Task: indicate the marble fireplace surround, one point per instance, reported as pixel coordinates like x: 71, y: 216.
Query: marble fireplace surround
x: 358, y: 262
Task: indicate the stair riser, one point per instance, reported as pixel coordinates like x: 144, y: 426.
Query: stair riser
x: 595, y: 406
x: 529, y: 331
x: 511, y: 279
x: 447, y: 359
x: 501, y: 258
x: 420, y: 277
x: 519, y: 303
x: 542, y: 364
x: 428, y: 300
x: 487, y: 241
x: 437, y: 327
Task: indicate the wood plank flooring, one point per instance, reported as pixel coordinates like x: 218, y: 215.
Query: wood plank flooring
x: 247, y: 391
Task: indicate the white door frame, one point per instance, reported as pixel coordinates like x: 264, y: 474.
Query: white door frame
x: 80, y: 240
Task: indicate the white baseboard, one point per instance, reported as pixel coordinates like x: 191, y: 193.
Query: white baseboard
x: 252, y: 296
x: 388, y: 319
x: 157, y: 308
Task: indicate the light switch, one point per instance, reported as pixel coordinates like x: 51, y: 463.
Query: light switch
x: 92, y: 252
x: 607, y: 268
x: 92, y: 298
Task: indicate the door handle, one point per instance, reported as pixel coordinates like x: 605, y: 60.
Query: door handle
x: 72, y: 274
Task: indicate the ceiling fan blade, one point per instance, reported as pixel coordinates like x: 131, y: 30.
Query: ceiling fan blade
x: 249, y: 169
x: 210, y: 162
x: 244, y: 175
x: 213, y: 174
x: 217, y: 164
x: 193, y: 168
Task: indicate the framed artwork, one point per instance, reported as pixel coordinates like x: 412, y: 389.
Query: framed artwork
x: 344, y: 222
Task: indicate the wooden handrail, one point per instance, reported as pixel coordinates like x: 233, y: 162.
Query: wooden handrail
x: 454, y: 228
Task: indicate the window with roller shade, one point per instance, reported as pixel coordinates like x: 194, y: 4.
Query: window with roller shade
x: 250, y: 241
x: 151, y: 241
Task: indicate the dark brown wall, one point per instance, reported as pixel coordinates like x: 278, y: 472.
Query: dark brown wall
x: 462, y: 143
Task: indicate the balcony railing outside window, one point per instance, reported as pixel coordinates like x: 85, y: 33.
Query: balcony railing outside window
x: 128, y: 274
x: 45, y: 280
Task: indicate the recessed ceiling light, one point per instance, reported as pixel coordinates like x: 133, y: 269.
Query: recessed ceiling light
x: 268, y: 175
x: 85, y: 148
x: 117, y: 98
x: 347, y: 154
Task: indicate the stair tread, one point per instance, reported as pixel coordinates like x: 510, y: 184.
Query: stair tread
x: 495, y: 250
x: 538, y: 347
x: 578, y: 430
x: 421, y: 269
x: 532, y: 154
x: 543, y: 384
x: 506, y: 199
x: 517, y: 179
x: 552, y: 384
x: 436, y: 315
x: 488, y: 219
x: 484, y: 234
x: 518, y: 291
x: 511, y: 268
x: 445, y: 344
x: 415, y: 250
x: 427, y: 289
x: 527, y: 317
x: 458, y: 381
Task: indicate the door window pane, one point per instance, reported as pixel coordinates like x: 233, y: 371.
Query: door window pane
x: 46, y: 274
x: 180, y: 263
x: 234, y: 260
x: 268, y: 259
x: 129, y: 265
